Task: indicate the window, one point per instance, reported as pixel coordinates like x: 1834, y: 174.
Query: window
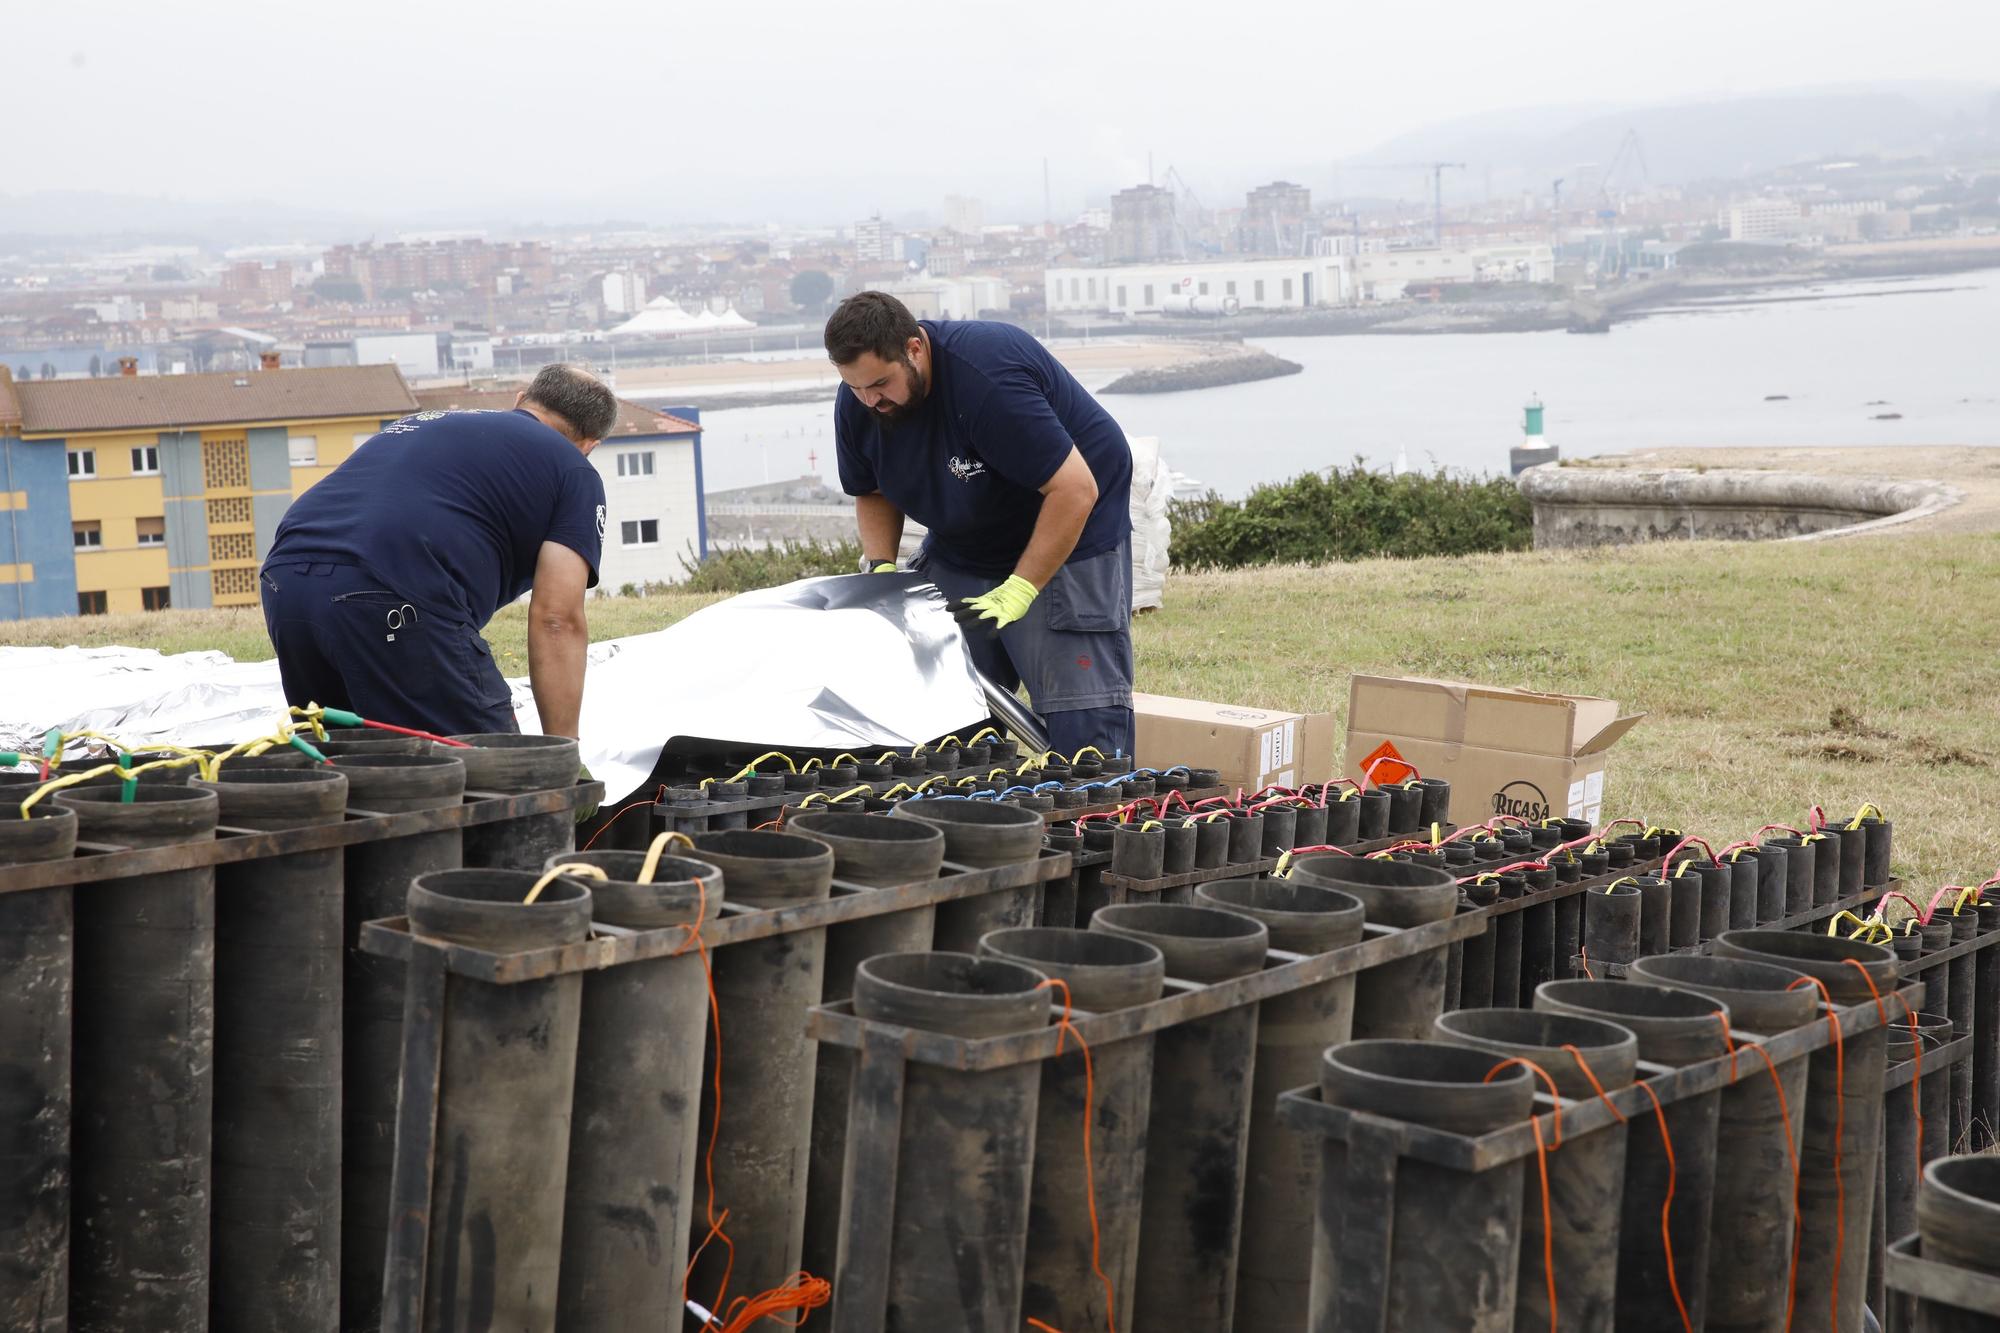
x: 1121, y: 298
x: 1288, y: 289
x: 1148, y: 291
x: 1201, y: 290
x: 90, y: 603
x: 304, y: 450
x: 1229, y: 289
x: 154, y: 599
x: 643, y: 532
x: 362, y: 437
x: 87, y: 535
x: 152, y: 532
x: 1090, y: 288
x: 1257, y: 290
x: 145, y: 460
x: 1073, y: 285
x: 637, y: 463
x: 83, y: 462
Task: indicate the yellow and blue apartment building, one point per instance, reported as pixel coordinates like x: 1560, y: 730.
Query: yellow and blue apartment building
x: 138, y: 493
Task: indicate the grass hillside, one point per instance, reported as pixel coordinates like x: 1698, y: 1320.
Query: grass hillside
x: 1775, y: 675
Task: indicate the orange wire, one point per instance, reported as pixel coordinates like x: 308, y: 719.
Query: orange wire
x: 1667, y: 1208
x: 1542, y: 1151
x: 1065, y: 1030
x: 1839, y: 1132
x: 620, y: 814
x: 1584, y: 956
x: 1046, y: 1328
x: 1791, y: 1151
x: 1916, y: 1077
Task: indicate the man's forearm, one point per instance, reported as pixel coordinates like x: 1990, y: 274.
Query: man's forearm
x: 556, y: 649
x: 881, y: 527
x: 1057, y: 527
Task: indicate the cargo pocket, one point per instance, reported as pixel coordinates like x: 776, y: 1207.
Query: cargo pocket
x: 1092, y: 596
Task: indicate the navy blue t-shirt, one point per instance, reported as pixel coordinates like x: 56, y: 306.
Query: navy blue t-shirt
x: 969, y: 464
x: 450, y: 509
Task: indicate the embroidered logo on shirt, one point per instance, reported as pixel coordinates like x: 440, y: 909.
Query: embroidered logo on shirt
x: 965, y: 469
x: 600, y: 522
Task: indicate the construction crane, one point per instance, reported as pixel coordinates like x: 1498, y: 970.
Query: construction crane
x: 1437, y: 170
x: 1184, y: 192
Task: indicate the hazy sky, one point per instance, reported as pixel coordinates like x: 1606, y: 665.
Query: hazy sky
x: 824, y: 111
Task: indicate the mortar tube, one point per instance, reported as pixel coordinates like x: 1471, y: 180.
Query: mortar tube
x: 1568, y: 933
x: 1538, y: 947
x: 1750, y: 1220
x: 1853, y: 857
x: 1826, y: 868
x: 763, y: 989
x: 1436, y: 805
x: 966, y: 1146
x: 512, y: 763
x: 1406, y: 804
x: 1611, y: 923
x: 37, y: 972
x: 1343, y: 821
x: 1506, y: 933
x: 1310, y: 826
x: 1373, y: 815
x: 1956, y: 1212
x: 881, y: 853
x: 1800, y: 870
x: 1674, y: 1027
x: 1104, y: 973
x: 1585, y: 1178
x: 1281, y: 829
x: 1857, y: 1111
x: 1211, y: 847
x: 630, y: 1194
x: 1058, y: 896
x: 341, y: 745
x: 1875, y: 871
x: 1138, y: 852
x: 1475, y: 969
x: 1656, y: 914
x: 1717, y: 885
x: 505, y: 1086
x: 1773, y: 880
x: 1198, y: 1124
x: 1474, y: 1218
x: 1934, y: 1095
x: 378, y: 876
x: 1964, y: 1022
x: 278, y: 959
x: 1902, y: 1161
x: 1398, y: 999
x: 1274, y: 1267
x: 983, y: 834
x: 1743, y: 891
x: 1246, y: 836
x: 1986, y: 1038
x: 1683, y: 910
x: 142, y: 1065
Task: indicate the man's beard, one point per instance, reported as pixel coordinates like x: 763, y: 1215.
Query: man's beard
x: 899, y: 414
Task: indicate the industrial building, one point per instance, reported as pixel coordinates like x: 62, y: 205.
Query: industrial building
x: 1142, y: 224
x: 655, y: 507
x: 1120, y: 290
x: 135, y: 493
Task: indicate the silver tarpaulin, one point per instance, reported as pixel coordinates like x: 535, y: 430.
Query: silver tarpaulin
x: 857, y: 661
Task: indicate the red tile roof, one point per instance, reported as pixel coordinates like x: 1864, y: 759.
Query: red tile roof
x: 632, y: 418
x: 168, y: 402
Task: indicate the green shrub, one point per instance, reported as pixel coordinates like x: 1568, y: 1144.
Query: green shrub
x: 1351, y: 514
x: 747, y: 570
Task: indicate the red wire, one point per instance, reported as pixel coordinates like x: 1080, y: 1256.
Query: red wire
x: 421, y: 735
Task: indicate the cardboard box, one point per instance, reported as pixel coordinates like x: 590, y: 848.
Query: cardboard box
x: 1250, y: 747
x: 1504, y: 751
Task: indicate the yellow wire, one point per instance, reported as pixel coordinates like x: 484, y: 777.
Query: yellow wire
x: 836, y: 800
x: 1959, y: 906
x: 576, y: 868
x: 1077, y: 758
x: 57, y: 784
x: 658, y: 847
x: 751, y: 767
x: 1867, y: 808
x: 985, y: 731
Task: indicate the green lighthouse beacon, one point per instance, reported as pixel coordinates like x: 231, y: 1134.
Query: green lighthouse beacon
x: 1534, y: 448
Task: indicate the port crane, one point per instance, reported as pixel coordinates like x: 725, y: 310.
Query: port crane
x: 1437, y: 170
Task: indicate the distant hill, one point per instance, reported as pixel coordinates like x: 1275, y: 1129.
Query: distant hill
x: 1688, y: 141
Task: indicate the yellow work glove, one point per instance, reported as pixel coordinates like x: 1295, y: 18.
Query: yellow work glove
x: 998, y: 608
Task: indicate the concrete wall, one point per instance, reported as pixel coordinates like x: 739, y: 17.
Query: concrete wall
x: 1581, y: 506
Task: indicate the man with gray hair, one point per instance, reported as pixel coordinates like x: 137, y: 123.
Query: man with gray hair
x: 383, y: 574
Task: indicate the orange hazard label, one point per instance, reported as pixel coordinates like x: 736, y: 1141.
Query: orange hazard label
x: 1384, y: 767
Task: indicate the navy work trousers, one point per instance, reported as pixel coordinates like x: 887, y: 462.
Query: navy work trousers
x: 346, y: 640
x: 1073, y: 649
